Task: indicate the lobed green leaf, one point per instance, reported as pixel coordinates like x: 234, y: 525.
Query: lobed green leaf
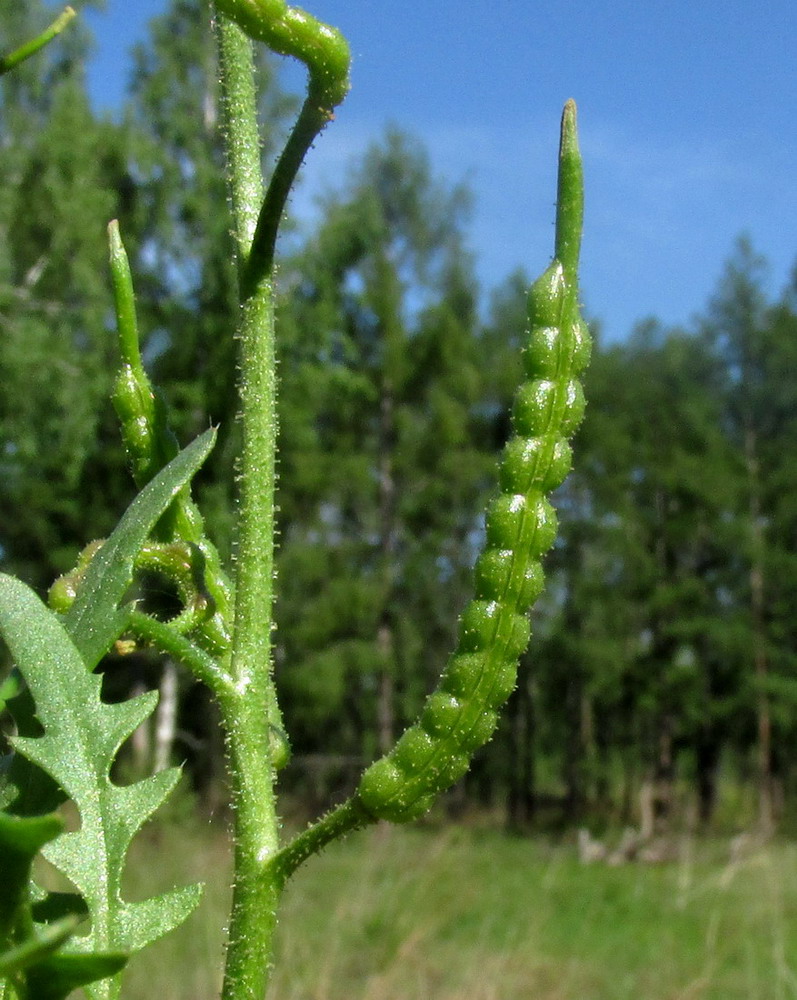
x: 21, y: 839
x: 35, y: 960
x: 58, y: 975
x: 81, y: 737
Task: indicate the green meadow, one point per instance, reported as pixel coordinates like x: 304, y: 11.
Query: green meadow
x: 463, y: 914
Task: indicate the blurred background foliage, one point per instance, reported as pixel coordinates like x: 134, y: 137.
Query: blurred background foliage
x: 664, y: 650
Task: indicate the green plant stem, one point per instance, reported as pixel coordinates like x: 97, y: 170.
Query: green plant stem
x: 251, y: 703
x: 310, y: 122
x: 32, y: 47
x: 204, y: 667
x: 349, y: 816
x: 256, y: 887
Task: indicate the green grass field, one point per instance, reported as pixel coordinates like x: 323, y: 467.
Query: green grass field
x: 414, y: 914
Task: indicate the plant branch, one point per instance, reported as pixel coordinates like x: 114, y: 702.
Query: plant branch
x: 201, y: 664
x: 35, y: 44
x: 239, y: 109
x: 325, y: 52
x: 347, y: 817
x: 309, y: 124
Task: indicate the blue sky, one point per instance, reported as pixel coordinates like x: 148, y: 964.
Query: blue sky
x: 688, y: 120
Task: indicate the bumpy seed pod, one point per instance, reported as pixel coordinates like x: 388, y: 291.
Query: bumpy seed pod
x: 148, y: 440
x: 461, y: 715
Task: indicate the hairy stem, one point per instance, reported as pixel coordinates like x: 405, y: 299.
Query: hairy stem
x: 325, y: 53
x: 207, y: 669
x: 347, y: 817
x: 310, y: 122
x: 250, y: 705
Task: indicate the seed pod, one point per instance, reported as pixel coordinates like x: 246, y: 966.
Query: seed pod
x: 150, y: 445
x: 461, y: 715
x: 292, y: 32
x: 61, y: 595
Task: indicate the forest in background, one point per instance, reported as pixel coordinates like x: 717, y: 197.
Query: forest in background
x: 663, y: 655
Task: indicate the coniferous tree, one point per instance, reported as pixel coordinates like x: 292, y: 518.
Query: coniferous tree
x: 754, y: 343
x: 641, y: 574
x: 63, y: 177
x: 381, y: 459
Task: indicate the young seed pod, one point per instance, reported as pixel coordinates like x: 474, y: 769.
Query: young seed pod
x: 520, y: 527
x: 150, y: 445
x: 61, y: 595
x: 521, y: 522
x: 500, y: 573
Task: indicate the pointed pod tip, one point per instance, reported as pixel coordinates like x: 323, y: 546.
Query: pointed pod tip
x: 570, y: 195
x: 64, y: 18
x: 116, y: 246
x: 115, y: 236
x: 569, y: 136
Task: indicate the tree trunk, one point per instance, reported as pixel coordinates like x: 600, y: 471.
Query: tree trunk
x: 521, y: 795
x: 386, y: 711
x: 663, y: 776
x: 166, y: 717
x: 141, y: 740
x: 760, y: 664
x: 575, y: 752
x: 385, y: 696
x: 707, y: 756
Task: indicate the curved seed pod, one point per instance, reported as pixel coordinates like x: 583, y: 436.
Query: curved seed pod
x: 147, y: 437
x: 183, y: 565
x: 461, y: 715
x: 291, y: 32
